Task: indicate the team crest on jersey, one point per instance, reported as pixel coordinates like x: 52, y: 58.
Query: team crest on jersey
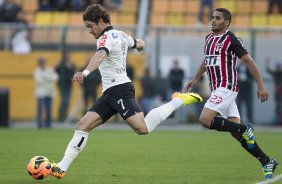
x: 114, y: 35
x: 218, y: 47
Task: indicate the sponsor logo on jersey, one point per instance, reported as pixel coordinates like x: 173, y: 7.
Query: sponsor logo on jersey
x: 103, y: 40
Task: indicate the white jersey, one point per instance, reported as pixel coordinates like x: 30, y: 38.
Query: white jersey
x: 113, y: 68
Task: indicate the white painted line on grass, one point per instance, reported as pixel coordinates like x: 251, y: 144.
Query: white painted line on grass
x: 272, y: 180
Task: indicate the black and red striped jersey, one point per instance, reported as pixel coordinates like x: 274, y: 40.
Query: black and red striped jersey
x: 221, y: 52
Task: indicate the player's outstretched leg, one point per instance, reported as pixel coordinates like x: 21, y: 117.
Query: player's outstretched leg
x: 269, y: 169
x: 159, y: 114
x: 249, y: 136
x: 188, y: 98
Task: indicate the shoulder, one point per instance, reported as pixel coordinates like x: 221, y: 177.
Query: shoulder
x: 233, y: 36
x: 111, y: 34
x: 209, y: 35
x: 230, y: 33
x: 234, y: 39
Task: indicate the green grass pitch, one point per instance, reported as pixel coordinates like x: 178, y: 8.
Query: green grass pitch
x: 122, y: 157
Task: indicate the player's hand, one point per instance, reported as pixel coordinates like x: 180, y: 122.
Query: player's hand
x: 262, y: 94
x: 189, y: 85
x: 79, y: 77
x: 140, y: 45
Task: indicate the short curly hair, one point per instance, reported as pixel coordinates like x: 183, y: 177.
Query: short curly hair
x: 95, y: 12
x: 226, y: 14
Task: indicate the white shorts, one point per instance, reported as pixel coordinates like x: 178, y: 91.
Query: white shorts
x: 222, y: 100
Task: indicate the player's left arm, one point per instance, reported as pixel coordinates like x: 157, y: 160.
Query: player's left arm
x: 94, y: 63
x: 135, y: 43
x: 240, y: 50
x: 261, y: 92
x: 140, y: 44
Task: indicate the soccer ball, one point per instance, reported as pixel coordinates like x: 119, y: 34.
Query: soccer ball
x: 39, y: 167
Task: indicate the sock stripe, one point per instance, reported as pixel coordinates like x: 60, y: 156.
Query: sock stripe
x: 80, y: 142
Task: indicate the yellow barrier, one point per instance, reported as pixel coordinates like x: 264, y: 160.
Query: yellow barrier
x: 16, y: 74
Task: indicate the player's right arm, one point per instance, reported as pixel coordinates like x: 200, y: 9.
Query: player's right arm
x: 94, y: 63
x: 194, y: 80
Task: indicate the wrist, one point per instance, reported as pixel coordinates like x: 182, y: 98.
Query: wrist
x: 85, y: 73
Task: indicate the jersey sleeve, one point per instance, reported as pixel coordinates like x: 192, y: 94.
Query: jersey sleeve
x: 104, y: 43
x: 238, y: 47
x: 131, y: 42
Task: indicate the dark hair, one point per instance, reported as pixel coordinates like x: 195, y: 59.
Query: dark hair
x: 95, y: 12
x: 226, y: 14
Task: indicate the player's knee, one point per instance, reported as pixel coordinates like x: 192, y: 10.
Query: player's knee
x: 82, y: 127
x: 142, y: 131
x: 205, y: 121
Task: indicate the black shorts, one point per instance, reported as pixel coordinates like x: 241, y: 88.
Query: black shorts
x: 117, y: 99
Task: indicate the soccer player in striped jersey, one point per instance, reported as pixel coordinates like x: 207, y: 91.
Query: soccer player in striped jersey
x: 220, y: 112
x: 118, y: 90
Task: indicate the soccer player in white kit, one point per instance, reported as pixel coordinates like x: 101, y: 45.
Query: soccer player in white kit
x: 221, y: 50
x: 118, y: 90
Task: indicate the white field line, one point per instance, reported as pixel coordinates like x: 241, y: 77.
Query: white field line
x: 272, y: 180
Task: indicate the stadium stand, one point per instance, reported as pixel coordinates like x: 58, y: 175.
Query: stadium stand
x: 60, y: 18
x: 75, y: 19
x: 163, y: 12
x: 29, y: 5
x: 185, y: 12
x: 258, y: 20
x: 43, y: 18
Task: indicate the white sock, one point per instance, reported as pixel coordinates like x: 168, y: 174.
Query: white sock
x: 159, y: 114
x: 75, y: 146
x: 176, y: 103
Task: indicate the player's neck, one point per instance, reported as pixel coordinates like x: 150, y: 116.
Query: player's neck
x: 221, y: 32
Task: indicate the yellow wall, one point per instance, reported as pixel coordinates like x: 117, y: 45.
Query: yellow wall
x: 16, y: 74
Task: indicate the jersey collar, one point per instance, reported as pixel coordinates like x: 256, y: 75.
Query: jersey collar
x: 106, y: 29
x: 215, y: 35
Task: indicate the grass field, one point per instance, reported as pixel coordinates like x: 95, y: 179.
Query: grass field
x: 122, y: 157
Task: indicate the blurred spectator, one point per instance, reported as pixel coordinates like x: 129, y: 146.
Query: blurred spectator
x: 161, y: 87
x: 175, y: 82
x: 148, y: 91
x: 45, y: 78
x: 9, y: 11
x: 277, y: 77
x: 69, y: 5
x: 66, y: 70
x: 203, y: 4
x: 20, y: 41
x: 175, y: 78
x: 78, y: 5
x: 244, y: 97
x: 90, y: 85
x: 114, y: 4
x: 45, y: 5
x: 271, y: 4
x: 100, y: 2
